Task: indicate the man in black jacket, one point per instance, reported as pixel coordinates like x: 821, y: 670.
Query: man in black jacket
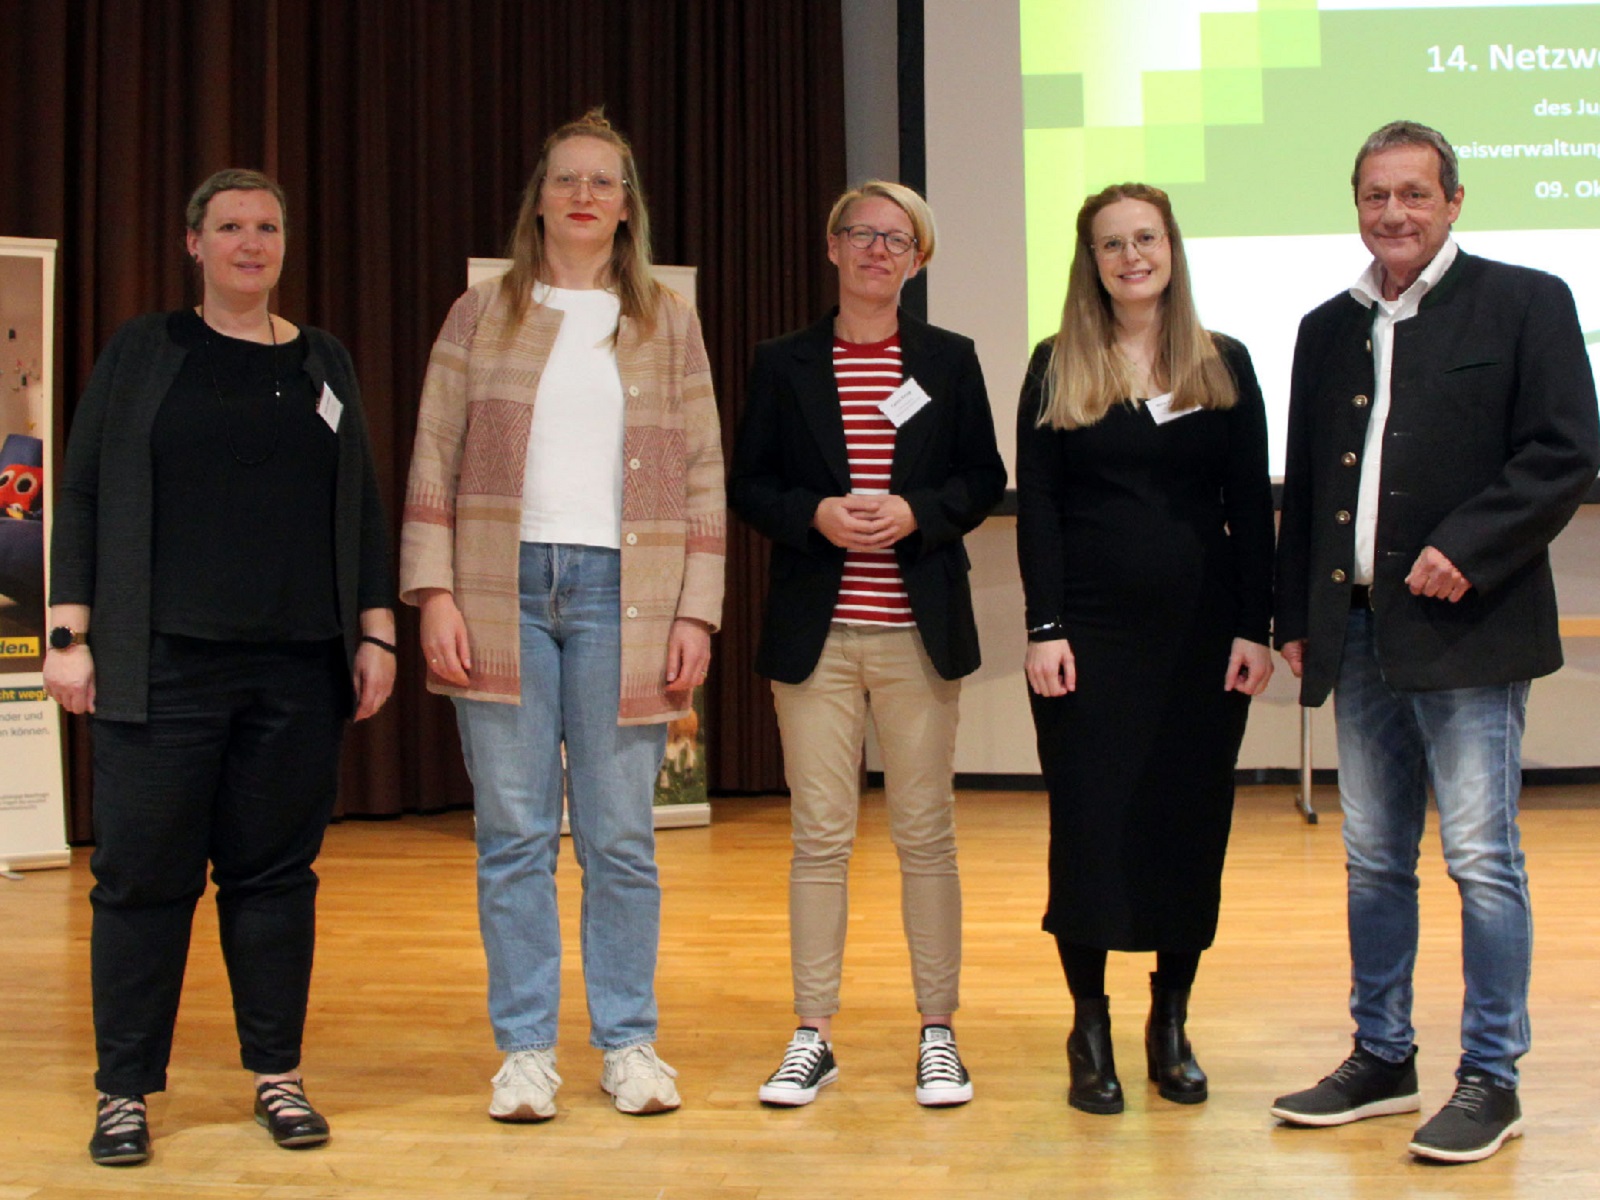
x: 1442, y: 431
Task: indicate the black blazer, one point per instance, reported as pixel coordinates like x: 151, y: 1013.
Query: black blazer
x: 1490, y: 446
x: 791, y: 455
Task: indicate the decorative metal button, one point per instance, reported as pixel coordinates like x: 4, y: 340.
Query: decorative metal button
x: 1342, y: 516
x: 1348, y: 458
x: 1338, y: 575
x: 1360, y: 401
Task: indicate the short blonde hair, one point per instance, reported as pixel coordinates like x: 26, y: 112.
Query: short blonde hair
x: 906, y: 199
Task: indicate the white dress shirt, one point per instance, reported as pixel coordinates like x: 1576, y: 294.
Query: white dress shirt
x: 1368, y: 290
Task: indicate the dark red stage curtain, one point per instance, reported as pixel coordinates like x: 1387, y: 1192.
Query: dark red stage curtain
x: 404, y: 131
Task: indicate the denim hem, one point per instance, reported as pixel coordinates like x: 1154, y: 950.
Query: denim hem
x: 641, y: 1041
x: 1383, y: 1053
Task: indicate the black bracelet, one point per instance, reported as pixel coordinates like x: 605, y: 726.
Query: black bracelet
x: 378, y: 642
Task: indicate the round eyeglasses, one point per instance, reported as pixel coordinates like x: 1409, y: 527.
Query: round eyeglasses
x: 1142, y: 240
x: 862, y: 237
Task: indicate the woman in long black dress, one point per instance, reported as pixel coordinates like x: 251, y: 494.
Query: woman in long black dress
x: 1145, y: 540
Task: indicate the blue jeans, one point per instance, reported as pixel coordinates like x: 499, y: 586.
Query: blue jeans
x: 1467, y: 743
x: 571, y: 688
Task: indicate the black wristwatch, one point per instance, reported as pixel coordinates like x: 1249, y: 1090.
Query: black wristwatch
x: 61, y: 638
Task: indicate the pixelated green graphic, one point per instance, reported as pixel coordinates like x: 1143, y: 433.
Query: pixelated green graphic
x: 1251, y: 119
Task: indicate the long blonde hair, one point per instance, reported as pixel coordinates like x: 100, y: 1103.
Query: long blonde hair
x: 1087, y: 374
x: 628, y: 272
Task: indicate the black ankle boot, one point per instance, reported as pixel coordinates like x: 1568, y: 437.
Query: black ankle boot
x: 1095, y: 1087
x: 1166, y: 1047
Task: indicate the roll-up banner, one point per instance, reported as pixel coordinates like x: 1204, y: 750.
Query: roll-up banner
x: 32, y: 795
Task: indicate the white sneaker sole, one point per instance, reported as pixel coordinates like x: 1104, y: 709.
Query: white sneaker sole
x: 523, y: 1114
x: 653, y: 1105
x: 1377, y: 1108
x: 1477, y: 1154
x: 943, y: 1097
x: 792, y: 1097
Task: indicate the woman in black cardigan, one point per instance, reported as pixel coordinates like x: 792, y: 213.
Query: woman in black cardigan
x: 221, y: 602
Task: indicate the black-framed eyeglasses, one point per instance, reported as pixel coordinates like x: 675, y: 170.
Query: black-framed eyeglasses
x: 862, y: 237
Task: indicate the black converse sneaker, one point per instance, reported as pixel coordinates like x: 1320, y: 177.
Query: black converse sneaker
x: 807, y: 1065
x: 941, y: 1079
x: 1362, y: 1086
x: 1473, y: 1124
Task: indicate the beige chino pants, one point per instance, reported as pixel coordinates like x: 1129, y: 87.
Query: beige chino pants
x: 822, y: 721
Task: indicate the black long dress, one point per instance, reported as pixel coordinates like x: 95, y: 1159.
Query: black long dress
x: 1152, y: 545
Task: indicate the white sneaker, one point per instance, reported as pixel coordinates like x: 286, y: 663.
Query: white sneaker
x: 525, y: 1087
x: 807, y: 1066
x: 638, y: 1081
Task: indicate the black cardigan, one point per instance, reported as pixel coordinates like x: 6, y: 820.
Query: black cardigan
x: 101, y: 541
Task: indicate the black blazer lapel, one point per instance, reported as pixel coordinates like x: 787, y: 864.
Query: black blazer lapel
x: 817, y: 392
x: 920, y: 356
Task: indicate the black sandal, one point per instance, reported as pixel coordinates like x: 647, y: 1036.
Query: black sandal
x: 282, y: 1107
x: 121, y: 1132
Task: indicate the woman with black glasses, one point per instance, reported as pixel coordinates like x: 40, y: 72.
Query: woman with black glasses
x: 867, y: 451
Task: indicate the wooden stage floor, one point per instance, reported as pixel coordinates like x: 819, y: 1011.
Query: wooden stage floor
x: 399, y: 1053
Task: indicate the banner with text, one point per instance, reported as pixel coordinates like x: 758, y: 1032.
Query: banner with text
x: 32, y: 808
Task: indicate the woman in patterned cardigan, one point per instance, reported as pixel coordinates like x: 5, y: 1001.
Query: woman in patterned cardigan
x: 563, y: 538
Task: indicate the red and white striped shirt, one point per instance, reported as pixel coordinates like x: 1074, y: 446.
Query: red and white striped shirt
x: 872, y: 592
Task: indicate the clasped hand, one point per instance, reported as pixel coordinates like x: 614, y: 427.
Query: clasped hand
x: 857, y: 522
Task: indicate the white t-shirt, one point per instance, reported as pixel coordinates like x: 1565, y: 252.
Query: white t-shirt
x: 572, y: 480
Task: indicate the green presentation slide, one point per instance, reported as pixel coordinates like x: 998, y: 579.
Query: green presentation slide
x: 1249, y: 113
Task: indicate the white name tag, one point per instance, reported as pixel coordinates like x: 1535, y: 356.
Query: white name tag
x: 905, y: 402
x: 330, y: 408
x: 1161, y: 409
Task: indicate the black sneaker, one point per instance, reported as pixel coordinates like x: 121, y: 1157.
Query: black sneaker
x: 1362, y: 1086
x: 941, y: 1077
x: 121, y: 1132
x: 1473, y: 1124
x: 807, y: 1066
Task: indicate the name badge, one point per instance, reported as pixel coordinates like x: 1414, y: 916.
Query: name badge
x: 1161, y: 409
x: 330, y: 408
x: 905, y: 402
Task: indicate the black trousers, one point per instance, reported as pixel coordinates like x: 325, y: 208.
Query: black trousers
x: 238, y: 765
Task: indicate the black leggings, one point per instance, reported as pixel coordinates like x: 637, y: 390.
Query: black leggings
x: 1085, y: 967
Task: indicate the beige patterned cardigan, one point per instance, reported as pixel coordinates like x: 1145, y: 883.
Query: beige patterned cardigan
x: 463, y: 509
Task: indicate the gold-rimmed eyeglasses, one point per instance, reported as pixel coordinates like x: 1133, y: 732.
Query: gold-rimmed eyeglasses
x: 603, y: 185
x: 1142, y: 240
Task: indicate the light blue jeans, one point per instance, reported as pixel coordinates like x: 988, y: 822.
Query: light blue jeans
x: 1466, y: 743
x: 571, y: 686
